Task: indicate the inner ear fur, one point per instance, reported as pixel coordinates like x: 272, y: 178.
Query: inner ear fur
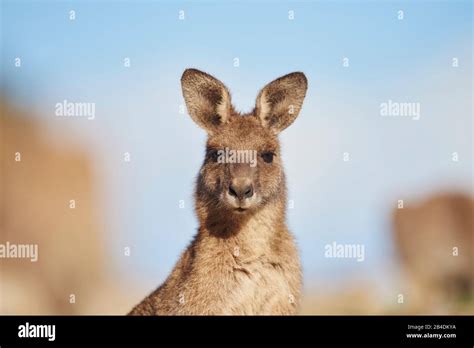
x: 279, y: 102
x: 207, y: 99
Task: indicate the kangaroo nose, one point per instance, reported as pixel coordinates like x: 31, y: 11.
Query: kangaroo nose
x: 241, y: 190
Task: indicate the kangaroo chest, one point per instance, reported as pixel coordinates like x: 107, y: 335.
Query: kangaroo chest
x: 257, y: 286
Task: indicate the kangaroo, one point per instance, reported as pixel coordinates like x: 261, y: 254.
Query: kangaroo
x: 243, y: 259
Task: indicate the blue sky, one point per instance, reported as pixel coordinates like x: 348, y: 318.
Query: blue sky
x: 405, y: 60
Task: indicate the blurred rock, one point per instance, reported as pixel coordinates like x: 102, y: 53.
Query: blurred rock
x: 434, y: 241
x: 35, y: 196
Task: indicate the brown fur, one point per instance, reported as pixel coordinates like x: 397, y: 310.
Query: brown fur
x: 241, y: 261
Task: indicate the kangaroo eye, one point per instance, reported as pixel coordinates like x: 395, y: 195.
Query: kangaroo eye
x: 213, y: 155
x: 268, y: 156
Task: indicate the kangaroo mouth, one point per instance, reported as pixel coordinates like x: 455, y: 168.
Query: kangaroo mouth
x: 240, y: 210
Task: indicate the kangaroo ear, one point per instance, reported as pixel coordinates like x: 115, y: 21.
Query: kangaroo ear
x: 207, y: 99
x: 279, y: 102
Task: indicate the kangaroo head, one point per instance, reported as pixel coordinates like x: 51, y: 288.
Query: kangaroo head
x: 242, y: 169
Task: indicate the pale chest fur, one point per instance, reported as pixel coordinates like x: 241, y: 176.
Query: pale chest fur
x: 259, y: 287
x: 249, y: 275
